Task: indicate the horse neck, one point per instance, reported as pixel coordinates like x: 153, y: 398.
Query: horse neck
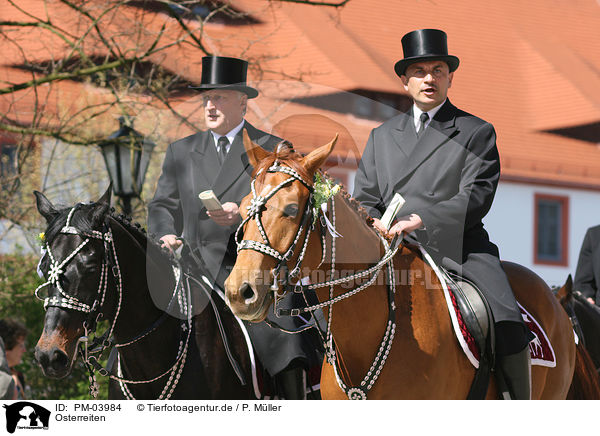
x: 137, y: 310
x: 357, y: 248
x: 359, y: 322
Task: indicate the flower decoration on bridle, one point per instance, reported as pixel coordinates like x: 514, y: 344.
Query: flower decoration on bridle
x: 324, y: 189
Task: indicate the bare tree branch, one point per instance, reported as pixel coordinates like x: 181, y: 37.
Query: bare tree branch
x: 316, y: 3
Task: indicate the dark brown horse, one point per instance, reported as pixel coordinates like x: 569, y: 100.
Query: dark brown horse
x: 585, y: 318
x: 99, y: 266
x: 409, y: 354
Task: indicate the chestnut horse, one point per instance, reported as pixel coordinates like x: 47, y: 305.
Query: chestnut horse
x: 418, y: 357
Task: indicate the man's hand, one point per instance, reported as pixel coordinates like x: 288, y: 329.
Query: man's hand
x: 591, y: 300
x: 229, y: 216
x: 406, y: 224
x: 171, y: 242
x: 379, y: 225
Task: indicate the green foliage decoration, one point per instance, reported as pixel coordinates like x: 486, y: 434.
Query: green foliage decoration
x: 324, y: 189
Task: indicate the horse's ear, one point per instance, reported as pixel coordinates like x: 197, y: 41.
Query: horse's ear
x: 105, y: 199
x: 569, y: 283
x: 254, y: 151
x: 102, y: 206
x: 565, y: 294
x: 44, y: 206
x: 317, y: 157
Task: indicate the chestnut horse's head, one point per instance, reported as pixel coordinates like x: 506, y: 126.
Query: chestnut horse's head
x: 275, y: 216
x: 74, y: 253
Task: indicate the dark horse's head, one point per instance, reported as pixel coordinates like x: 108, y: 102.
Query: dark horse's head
x: 586, y: 318
x: 73, y: 264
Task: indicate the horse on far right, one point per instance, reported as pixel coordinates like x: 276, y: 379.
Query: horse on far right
x: 585, y: 318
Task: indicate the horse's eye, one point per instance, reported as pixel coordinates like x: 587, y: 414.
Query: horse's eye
x: 291, y: 210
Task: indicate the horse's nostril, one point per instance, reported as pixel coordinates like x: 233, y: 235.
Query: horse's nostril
x: 59, y: 360
x: 246, y: 291
x: 41, y: 357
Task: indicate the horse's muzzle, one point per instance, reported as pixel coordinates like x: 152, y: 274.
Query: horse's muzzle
x: 55, y: 362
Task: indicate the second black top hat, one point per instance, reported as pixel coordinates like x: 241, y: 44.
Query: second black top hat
x: 220, y: 72
x: 425, y: 45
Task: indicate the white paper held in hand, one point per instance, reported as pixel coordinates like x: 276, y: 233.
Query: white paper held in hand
x: 392, y: 210
x: 210, y: 200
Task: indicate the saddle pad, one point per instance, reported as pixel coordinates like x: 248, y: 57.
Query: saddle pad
x: 541, y: 350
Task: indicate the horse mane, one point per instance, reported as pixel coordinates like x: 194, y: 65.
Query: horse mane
x: 81, y: 221
x: 354, y: 204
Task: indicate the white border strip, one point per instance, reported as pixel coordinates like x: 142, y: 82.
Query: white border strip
x: 453, y: 317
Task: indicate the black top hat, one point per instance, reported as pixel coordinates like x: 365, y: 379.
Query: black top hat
x: 220, y: 72
x: 425, y: 45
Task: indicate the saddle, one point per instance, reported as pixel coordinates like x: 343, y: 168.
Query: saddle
x: 474, y: 327
x: 476, y: 323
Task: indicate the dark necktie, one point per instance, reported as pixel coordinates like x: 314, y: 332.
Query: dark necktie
x: 422, y: 120
x: 222, y: 144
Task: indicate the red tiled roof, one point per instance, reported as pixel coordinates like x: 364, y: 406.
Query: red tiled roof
x: 527, y: 67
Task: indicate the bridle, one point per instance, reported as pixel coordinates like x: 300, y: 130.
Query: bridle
x: 257, y: 205
x: 91, y: 351
x: 254, y: 212
x: 57, y: 270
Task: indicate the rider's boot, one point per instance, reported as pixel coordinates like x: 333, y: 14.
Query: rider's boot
x: 292, y: 383
x: 516, y: 370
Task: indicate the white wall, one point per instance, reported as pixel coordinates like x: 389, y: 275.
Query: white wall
x: 511, y: 227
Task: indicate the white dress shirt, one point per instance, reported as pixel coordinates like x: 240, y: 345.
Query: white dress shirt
x: 431, y: 112
x: 230, y: 136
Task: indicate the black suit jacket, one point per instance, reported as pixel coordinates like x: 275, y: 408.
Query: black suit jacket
x: 191, y: 166
x: 448, y: 176
x: 587, y: 275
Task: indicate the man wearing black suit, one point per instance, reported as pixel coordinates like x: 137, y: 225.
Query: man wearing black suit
x: 216, y: 159
x: 445, y: 164
x: 587, y: 275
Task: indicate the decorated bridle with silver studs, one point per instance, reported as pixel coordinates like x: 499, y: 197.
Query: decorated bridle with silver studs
x: 254, y: 212
x: 57, y: 270
x: 66, y: 301
x: 257, y: 205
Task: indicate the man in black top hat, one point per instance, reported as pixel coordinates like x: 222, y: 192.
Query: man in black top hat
x: 445, y: 164
x: 216, y: 160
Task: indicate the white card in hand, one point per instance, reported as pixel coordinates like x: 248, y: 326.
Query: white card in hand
x: 392, y: 210
x: 210, y: 200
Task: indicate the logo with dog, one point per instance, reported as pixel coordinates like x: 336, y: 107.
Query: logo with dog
x: 26, y: 415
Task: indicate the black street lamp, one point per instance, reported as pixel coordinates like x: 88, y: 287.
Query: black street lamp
x: 127, y: 155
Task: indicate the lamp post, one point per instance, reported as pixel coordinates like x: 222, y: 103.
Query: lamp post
x: 127, y: 155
